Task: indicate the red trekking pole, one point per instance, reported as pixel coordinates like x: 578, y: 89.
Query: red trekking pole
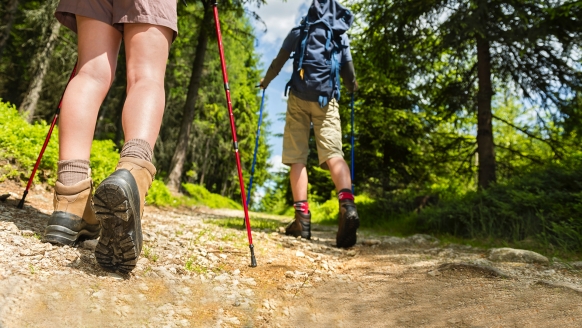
x: 46, y: 141
x: 233, y: 130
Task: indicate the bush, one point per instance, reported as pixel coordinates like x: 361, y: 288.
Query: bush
x: 160, y: 195
x: 104, y: 158
x: 200, y: 195
x: 544, y: 205
x: 21, y: 142
x: 20, y: 145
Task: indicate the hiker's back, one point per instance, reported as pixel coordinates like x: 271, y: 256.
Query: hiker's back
x: 319, y: 45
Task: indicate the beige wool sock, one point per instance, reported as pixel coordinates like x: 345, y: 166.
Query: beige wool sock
x: 137, y: 148
x: 72, y: 171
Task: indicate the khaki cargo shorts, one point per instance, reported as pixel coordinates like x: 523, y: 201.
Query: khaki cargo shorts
x: 326, y: 126
x: 119, y: 12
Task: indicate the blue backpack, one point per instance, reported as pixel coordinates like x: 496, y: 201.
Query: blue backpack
x: 317, y: 55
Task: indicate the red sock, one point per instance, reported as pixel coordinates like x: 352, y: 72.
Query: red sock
x: 302, y: 206
x: 345, y: 194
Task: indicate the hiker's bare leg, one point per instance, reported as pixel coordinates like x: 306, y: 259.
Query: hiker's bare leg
x: 146, y: 47
x: 98, y: 47
x: 340, y: 173
x: 298, y: 177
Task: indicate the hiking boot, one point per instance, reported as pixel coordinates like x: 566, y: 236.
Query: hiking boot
x: 73, y: 216
x: 119, y: 202
x: 301, y: 226
x: 349, y: 222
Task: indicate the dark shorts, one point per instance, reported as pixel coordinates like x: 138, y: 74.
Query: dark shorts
x: 119, y: 12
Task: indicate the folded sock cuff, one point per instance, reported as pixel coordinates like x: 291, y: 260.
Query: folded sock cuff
x: 71, y: 172
x: 137, y: 148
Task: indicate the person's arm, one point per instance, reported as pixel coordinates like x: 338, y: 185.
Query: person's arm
x: 348, y: 75
x: 275, y: 67
x: 284, y: 54
x: 347, y: 72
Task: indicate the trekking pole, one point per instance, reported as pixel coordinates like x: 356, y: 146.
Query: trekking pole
x: 46, y: 141
x: 256, y: 149
x: 233, y: 131
x: 352, y: 168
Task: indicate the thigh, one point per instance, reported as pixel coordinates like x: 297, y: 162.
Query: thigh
x: 98, y: 47
x: 146, y: 47
x: 328, y: 131
x: 296, y: 134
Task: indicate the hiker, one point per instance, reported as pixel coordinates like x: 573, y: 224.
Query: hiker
x: 148, y: 28
x: 321, y: 54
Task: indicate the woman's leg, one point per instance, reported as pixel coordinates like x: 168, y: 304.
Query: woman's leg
x: 98, y: 47
x: 147, y: 47
x: 119, y: 199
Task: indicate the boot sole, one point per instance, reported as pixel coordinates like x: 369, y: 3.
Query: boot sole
x: 118, y: 248
x: 56, y: 234
x: 349, y: 237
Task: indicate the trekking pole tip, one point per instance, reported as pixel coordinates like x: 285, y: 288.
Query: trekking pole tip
x: 21, y: 203
x: 253, y: 259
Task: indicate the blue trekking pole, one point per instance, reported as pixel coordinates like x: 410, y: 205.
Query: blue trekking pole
x: 256, y: 149
x: 352, y: 106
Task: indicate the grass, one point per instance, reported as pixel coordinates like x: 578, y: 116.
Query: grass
x: 192, y: 266
x: 149, y: 254
x: 256, y: 223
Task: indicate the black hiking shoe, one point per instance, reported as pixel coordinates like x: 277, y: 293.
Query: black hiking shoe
x: 73, y: 215
x: 301, y: 226
x: 66, y: 228
x: 117, y: 206
x: 349, y: 222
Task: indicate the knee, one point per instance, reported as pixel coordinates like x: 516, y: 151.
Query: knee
x: 145, y: 75
x: 100, y: 75
x: 144, y: 80
x: 336, y: 163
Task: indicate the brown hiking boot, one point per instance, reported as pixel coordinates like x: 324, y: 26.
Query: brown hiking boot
x: 349, y: 222
x: 301, y: 226
x: 73, y: 216
x: 119, y: 201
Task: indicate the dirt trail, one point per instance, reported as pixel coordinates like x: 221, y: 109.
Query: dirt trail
x: 194, y: 273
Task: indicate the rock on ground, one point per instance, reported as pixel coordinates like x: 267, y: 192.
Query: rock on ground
x: 516, y: 255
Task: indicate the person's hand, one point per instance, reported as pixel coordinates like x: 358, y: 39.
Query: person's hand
x: 355, y: 87
x: 261, y: 84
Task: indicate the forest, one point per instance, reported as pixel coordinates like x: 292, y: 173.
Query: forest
x: 468, y: 117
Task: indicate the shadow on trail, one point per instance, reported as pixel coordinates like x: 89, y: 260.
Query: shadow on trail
x: 31, y: 222
x: 28, y: 218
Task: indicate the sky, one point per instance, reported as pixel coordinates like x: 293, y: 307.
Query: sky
x: 279, y: 17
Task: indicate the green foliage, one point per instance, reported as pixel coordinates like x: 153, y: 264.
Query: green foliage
x: 199, y: 194
x: 104, y: 158
x: 544, y: 205
x: 278, y: 198
x: 160, y: 195
x: 20, y: 145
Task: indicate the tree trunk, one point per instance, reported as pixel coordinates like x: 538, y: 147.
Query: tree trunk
x: 205, y: 160
x: 42, y: 60
x: 8, y: 20
x: 177, y: 164
x: 485, y: 145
